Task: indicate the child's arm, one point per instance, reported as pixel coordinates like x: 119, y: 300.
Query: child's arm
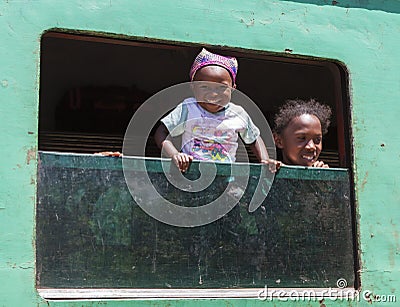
x: 181, y: 160
x: 259, y: 149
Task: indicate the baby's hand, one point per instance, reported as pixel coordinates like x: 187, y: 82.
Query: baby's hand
x: 182, y: 161
x: 273, y: 165
x: 320, y: 164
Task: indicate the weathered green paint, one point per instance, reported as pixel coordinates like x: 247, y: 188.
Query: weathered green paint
x: 363, y: 35
x: 90, y: 231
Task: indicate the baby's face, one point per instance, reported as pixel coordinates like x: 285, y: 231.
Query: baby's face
x: 213, y: 88
x: 301, y: 141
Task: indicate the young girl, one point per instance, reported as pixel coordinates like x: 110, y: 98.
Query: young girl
x: 208, y: 122
x: 299, y: 126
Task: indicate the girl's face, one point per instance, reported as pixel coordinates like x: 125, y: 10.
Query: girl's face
x: 213, y: 93
x: 301, y: 141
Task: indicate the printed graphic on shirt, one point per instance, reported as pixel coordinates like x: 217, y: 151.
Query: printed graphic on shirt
x: 211, y: 143
x: 210, y: 149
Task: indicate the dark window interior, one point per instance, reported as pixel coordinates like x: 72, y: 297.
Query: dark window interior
x: 91, y: 86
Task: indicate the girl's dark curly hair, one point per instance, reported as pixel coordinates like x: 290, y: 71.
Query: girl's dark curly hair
x: 296, y: 107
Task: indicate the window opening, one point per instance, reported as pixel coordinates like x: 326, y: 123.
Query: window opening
x: 91, y: 86
x: 90, y: 232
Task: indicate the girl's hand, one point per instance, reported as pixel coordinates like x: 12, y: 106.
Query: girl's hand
x: 320, y: 164
x: 182, y: 161
x: 273, y: 165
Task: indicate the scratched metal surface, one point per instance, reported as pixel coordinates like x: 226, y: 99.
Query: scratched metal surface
x: 91, y: 233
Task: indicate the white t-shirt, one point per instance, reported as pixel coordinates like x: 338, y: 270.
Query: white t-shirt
x: 210, y: 136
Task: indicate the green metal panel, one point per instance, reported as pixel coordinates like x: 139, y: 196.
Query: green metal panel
x: 91, y: 232
x: 363, y: 35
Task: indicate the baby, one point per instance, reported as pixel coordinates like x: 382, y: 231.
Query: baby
x: 209, y: 123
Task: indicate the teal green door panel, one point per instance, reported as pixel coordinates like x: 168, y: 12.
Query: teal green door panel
x: 362, y: 35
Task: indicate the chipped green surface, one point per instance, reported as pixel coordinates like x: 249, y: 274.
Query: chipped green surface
x: 91, y: 232
x: 363, y: 35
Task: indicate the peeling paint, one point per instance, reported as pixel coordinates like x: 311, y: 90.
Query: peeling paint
x: 245, y: 17
x: 392, y: 257
x: 248, y: 23
x: 364, y: 182
x: 266, y: 21
x: 31, y: 155
x: 12, y: 265
x: 27, y: 265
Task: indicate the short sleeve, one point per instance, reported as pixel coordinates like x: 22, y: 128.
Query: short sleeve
x: 250, y: 133
x: 175, y: 121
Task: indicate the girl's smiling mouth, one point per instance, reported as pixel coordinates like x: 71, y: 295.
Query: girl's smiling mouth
x: 309, y: 157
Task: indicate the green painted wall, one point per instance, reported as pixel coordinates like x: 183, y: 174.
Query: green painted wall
x: 364, y: 35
